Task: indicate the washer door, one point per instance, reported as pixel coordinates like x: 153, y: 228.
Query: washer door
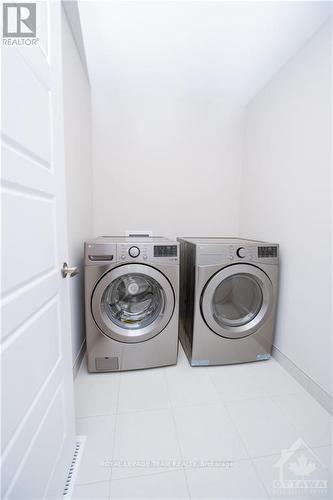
x: 237, y: 300
x: 132, y: 303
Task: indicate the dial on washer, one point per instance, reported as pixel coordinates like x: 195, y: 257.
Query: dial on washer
x: 134, y: 252
x: 241, y: 252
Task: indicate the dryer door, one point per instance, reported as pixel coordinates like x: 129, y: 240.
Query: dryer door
x: 236, y: 301
x: 132, y: 303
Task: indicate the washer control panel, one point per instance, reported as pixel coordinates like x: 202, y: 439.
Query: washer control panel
x: 133, y: 252
x: 102, y: 251
x: 141, y: 252
x: 165, y: 250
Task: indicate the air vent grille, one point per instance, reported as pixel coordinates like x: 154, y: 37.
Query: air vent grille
x: 74, y: 467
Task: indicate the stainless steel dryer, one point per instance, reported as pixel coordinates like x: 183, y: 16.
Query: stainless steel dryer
x: 228, y: 297
x: 131, y: 302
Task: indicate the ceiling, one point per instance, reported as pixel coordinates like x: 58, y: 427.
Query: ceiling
x: 227, y: 50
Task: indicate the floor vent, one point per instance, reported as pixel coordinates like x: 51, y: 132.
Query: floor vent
x: 74, y: 467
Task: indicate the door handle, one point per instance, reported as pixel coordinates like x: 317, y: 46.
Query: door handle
x: 69, y: 271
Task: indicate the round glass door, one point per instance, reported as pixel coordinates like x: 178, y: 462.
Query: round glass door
x: 132, y: 303
x: 133, y: 300
x: 237, y: 300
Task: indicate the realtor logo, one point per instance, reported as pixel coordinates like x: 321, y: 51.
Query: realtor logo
x: 300, y: 469
x: 19, y: 20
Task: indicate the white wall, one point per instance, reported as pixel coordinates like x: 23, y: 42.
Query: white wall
x: 77, y: 122
x: 173, y: 165
x: 166, y: 164
x: 286, y: 197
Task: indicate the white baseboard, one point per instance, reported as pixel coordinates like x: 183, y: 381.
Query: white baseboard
x: 307, y: 382
x: 79, y: 359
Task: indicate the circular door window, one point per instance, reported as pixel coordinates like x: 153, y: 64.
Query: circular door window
x: 237, y: 300
x: 133, y: 300
x: 133, y: 303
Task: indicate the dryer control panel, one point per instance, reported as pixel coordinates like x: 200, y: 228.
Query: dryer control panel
x: 251, y: 253
x: 236, y: 252
x: 245, y: 252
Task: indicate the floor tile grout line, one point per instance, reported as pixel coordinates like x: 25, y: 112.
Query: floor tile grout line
x: 111, y: 415
x: 131, y: 412
x: 223, y: 399
x: 212, y: 404
x: 161, y: 373
x: 236, y: 429
x: 259, y: 479
x: 79, y: 379
x: 312, y: 398
x: 289, y: 420
x: 181, y: 453
x: 151, y: 474
x: 247, y: 450
x: 176, y: 431
x: 114, y: 437
x: 264, y: 395
x: 91, y: 482
x: 99, y: 415
x: 292, y: 422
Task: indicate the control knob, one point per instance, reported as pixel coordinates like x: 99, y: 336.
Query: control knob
x: 134, y: 252
x: 241, y: 252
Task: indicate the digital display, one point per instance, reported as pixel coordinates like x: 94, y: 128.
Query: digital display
x: 165, y: 251
x: 267, y: 252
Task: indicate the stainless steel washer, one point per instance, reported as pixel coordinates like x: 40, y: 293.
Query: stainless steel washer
x: 131, y: 299
x: 228, y: 298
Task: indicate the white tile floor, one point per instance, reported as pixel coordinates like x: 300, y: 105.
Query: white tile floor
x: 217, y: 432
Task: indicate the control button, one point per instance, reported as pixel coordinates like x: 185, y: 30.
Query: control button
x: 123, y: 257
x: 145, y: 257
x: 241, y: 252
x: 134, y: 252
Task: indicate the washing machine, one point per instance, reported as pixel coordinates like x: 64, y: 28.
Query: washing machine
x: 228, y: 299
x: 131, y: 302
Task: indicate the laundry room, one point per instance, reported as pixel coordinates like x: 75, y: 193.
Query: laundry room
x: 166, y: 196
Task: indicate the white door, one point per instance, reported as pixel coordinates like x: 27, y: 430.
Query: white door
x: 38, y: 434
